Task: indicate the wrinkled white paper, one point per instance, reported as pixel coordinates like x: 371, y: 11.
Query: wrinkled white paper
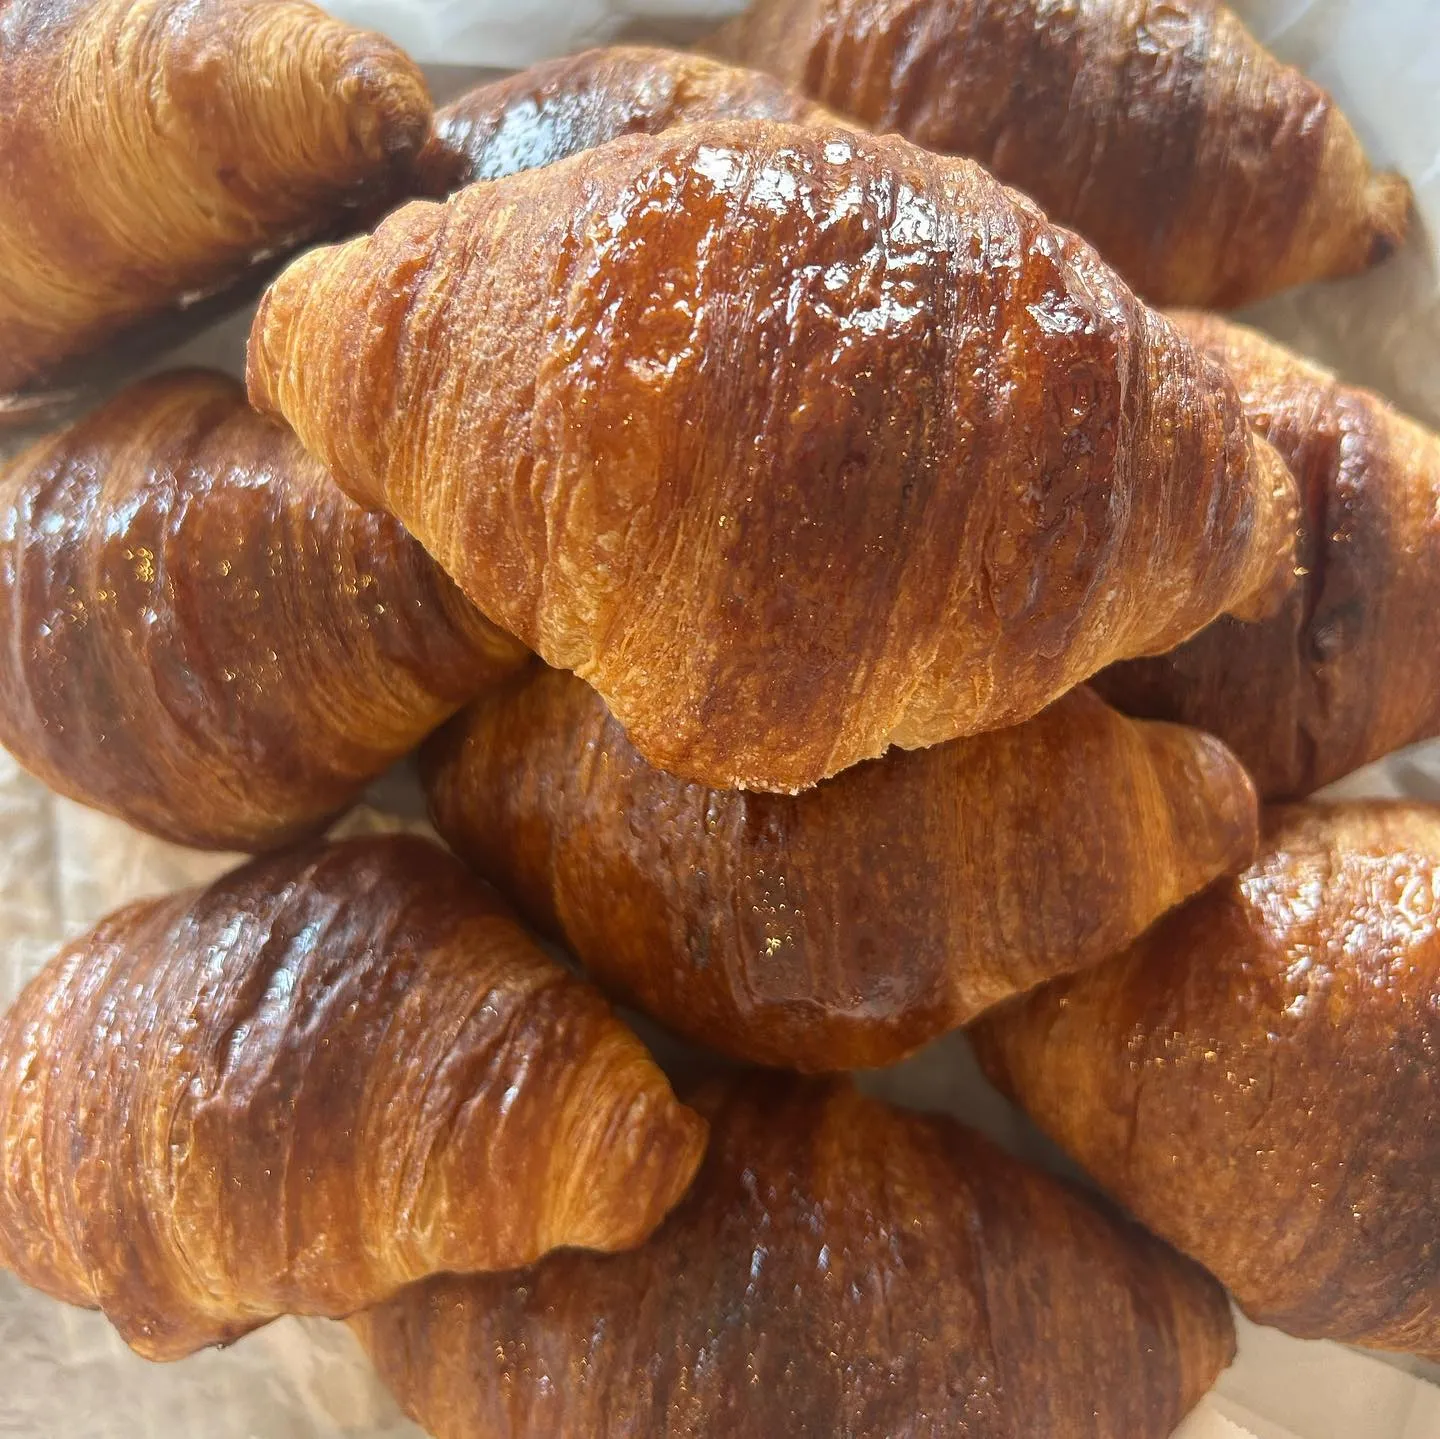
x: 63, y: 1373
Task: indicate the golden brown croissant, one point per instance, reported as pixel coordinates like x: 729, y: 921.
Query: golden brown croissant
x: 561, y: 107
x: 839, y: 1268
x: 851, y: 924
x: 1256, y: 1078
x: 203, y: 635
x: 332, y: 1073
x: 153, y: 148
x: 1203, y: 169
x: 795, y: 443
x: 1348, y: 669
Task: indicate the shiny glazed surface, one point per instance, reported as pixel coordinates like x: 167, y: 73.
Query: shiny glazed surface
x: 201, y: 633
x: 561, y: 107
x: 1349, y: 669
x: 839, y: 1268
x: 153, y: 148
x: 331, y: 1073
x: 794, y: 443
x: 849, y: 925
x: 1256, y: 1079
x: 1203, y: 169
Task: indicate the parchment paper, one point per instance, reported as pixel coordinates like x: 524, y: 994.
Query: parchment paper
x: 64, y: 1375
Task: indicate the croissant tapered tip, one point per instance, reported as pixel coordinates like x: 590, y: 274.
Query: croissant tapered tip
x: 1276, y: 526
x: 309, y: 332
x: 387, y: 102
x: 629, y: 1161
x: 1215, y: 808
x: 274, y: 351
x: 1389, y: 204
x: 262, y: 352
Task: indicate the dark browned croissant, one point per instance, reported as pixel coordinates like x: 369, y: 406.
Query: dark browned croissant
x: 203, y: 635
x: 839, y: 1268
x: 154, y: 148
x: 331, y: 1073
x: 1256, y: 1079
x: 562, y: 107
x: 1203, y: 169
x: 1349, y: 668
x: 851, y: 924
x: 796, y: 444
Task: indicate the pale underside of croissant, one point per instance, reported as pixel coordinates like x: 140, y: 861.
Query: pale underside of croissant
x: 204, y: 635
x: 1203, y: 169
x: 1348, y: 669
x: 795, y: 443
x: 1255, y: 1079
x: 849, y: 925
x: 561, y: 107
x: 839, y: 1267
x: 150, y: 149
x: 332, y: 1073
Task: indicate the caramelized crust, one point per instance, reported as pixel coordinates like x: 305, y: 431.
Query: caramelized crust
x: 1203, y: 169
x: 854, y: 923
x: 150, y: 149
x: 561, y: 107
x: 330, y: 1074
x: 1255, y: 1079
x: 795, y: 443
x: 839, y: 1268
x: 203, y: 635
x: 1347, y: 671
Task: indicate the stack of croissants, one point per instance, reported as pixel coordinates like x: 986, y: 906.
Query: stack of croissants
x: 829, y: 602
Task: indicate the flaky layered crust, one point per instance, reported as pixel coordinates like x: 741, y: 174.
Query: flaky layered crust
x: 840, y: 1267
x: 1348, y: 669
x: 1255, y: 1079
x: 561, y: 107
x: 330, y: 1074
x: 203, y: 635
x: 851, y: 924
x: 153, y: 148
x: 1203, y: 169
x: 795, y: 444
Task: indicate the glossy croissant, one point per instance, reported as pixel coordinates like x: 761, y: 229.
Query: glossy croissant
x: 150, y: 149
x: 849, y: 925
x: 560, y: 107
x: 203, y: 635
x: 839, y: 1267
x: 1203, y: 169
x: 1348, y: 669
x: 332, y: 1073
x: 1255, y: 1080
x: 796, y: 444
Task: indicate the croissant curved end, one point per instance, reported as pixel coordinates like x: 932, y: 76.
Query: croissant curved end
x: 265, y: 347
x: 630, y: 1153
x: 1389, y: 204
x: 1214, y: 805
x: 347, y: 103
x: 1278, y: 498
x: 285, y: 372
x: 388, y: 105
x: 270, y: 368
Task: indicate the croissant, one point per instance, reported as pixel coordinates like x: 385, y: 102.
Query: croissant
x: 1255, y: 1079
x: 154, y: 148
x: 849, y: 925
x: 561, y: 107
x: 203, y: 635
x: 796, y: 444
x: 1345, y: 672
x: 333, y: 1072
x: 1203, y: 169
x: 839, y: 1268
